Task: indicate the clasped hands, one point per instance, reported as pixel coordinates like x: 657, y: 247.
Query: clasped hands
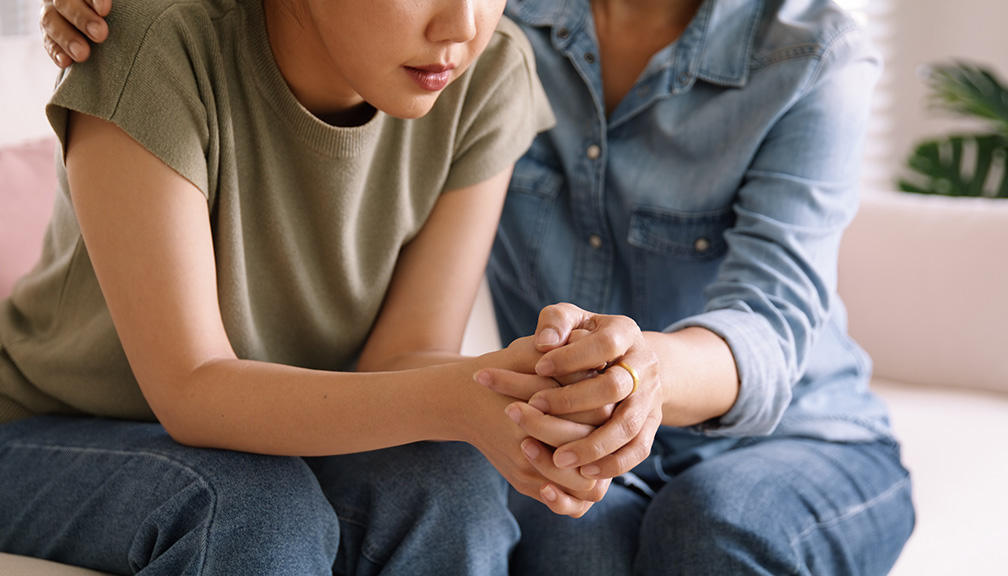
x: 584, y: 419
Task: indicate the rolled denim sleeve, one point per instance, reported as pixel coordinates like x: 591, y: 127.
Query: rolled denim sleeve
x: 750, y: 337
x: 776, y: 288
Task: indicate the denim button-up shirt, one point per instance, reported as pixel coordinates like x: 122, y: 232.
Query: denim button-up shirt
x: 714, y: 195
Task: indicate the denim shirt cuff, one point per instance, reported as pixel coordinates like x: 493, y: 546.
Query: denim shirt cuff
x: 764, y: 390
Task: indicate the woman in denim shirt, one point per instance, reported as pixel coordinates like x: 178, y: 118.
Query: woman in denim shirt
x: 702, y: 170
x: 688, y: 209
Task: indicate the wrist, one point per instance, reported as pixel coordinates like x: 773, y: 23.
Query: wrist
x: 698, y: 374
x: 460, y: 408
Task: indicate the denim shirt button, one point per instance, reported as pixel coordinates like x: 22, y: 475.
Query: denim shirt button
x: 595, y: 241
x: 701, y: 245
x: 589, y: 57
x: 593, y: 152
x: 563, y: 33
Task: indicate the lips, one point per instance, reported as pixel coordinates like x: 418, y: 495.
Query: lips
x: 431, y: 78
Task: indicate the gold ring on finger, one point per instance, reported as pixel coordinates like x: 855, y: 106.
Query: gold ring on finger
x: 633, y: 374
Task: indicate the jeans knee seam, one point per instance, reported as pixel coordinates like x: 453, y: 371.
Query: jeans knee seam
x: 143, y: 453
x: 147, y: 453
x: 847, y: 515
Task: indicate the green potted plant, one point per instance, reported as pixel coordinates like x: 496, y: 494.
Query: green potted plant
x: 964, y: 164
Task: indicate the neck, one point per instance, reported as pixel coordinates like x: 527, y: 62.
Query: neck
x: 663, y: 14
x: 629, y: 33
x: 303, y: 61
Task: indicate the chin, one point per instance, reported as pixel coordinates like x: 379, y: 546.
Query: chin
x: 410, y: 109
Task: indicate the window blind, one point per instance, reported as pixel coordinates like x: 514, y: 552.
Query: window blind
x: 880, y: 158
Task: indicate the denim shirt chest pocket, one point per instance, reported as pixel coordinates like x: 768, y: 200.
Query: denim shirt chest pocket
x: 674, y: 255
x: 695, y: 236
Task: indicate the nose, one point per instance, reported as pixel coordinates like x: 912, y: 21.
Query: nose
x: 454, y: 22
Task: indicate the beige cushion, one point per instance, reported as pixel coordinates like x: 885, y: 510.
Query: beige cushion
x: 926, y: 282
x: 21, y: 566
x: 955, y: 442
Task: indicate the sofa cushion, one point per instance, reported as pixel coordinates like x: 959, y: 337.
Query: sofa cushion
x: 954, y: 446
x: 27, y: 187
x: 23, y: 566
x: 925, y: 279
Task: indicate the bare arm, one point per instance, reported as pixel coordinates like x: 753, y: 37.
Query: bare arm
x: 148, y: 236
x: 157, y: 272
x: 424, y: 316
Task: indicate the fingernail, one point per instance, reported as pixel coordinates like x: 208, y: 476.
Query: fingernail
x: 590, y: 470
x: 545, y: 367
x: 539, y: 404
x: 97, y: 5
x: 547, y: 337
x: 61, y: 60
x: 531, y: 449
x: 549, y: 493
x: 565, y: 459
x: 514, y: 413
x: 93, y: 29
x: 75, y: 49
x: 482, y: 377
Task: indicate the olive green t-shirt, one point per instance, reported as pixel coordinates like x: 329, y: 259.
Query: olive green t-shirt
x: 308, y: 219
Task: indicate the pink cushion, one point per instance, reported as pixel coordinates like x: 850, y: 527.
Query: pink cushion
x: 27, y: 187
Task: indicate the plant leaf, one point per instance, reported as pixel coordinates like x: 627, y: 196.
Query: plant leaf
x: 970, y: 90
x: 960, y: 166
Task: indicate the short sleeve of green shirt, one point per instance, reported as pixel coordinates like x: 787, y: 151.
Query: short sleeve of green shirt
x: 151, y: 82
x: 506, y: 96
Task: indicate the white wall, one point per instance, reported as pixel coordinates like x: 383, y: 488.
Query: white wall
x: 26, y: 79
x: 913, y: 33
x: 26, y: 73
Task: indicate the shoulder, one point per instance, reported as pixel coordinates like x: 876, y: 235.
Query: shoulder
x: 807, y: 29
x: 151, y: 78
x: 509, y: 34
x: 503, y: 76
x: 135, y: 20
x: 151, y: 33
x: 494, y: 110
x: 153, y: 41
x: 508, y: 51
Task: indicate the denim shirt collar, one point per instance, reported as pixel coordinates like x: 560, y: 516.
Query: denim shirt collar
x: 695, y: 57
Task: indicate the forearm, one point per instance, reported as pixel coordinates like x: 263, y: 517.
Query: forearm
x: 276, y: 409
x: 412, y: 360
x: 698, y: 375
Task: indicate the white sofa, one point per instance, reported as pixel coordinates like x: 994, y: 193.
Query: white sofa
x: 926, y: 284
x: 925, y: 280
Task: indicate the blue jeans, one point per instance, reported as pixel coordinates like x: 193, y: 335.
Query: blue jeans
x: 123, y: 497
x: 774, y: 507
